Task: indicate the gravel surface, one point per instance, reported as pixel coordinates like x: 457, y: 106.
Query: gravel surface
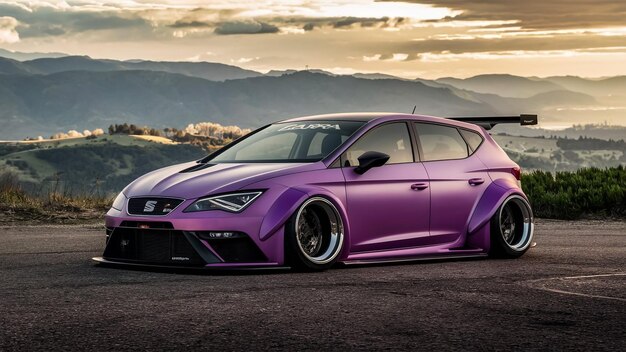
x: 568, y: 293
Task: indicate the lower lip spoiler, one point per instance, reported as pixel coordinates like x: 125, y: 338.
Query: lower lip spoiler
x: 264, y: 267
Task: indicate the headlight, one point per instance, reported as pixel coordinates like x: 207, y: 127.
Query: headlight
x: 119, y: 201
x: 233, y: 202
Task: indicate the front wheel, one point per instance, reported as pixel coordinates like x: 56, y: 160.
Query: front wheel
x: 314, y: 235
x: 512, y: 228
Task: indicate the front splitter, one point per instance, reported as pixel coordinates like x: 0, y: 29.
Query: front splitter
x: 113, y: 263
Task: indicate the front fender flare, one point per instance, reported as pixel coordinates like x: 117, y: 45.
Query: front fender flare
x: 287, y: 203
x: 280, y: 211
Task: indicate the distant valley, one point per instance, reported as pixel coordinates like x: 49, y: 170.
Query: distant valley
x: 53, y: 94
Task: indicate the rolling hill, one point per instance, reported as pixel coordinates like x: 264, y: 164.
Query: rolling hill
x: 107, y: 163
x: 596, y: 87
x: 45, y: 66
x: 43, y: 104
x: 48, y: 95
x: 503, y: 85
x: 104, y: 164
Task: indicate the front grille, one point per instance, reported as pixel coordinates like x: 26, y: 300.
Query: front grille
x: 147, y: 224
x: 152, y: 206
x: 157, y: 246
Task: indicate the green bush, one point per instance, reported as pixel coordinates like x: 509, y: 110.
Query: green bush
x: 571, y: 195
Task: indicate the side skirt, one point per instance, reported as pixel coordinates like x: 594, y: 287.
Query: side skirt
x: 415, y: 259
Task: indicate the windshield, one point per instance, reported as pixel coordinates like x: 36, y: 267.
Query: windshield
x: 302, y: 141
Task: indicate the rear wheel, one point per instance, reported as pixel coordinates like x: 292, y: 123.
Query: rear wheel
x: 511, y: 228
x: 314, y: 235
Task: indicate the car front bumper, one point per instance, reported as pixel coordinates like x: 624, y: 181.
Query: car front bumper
x: 190, y: 242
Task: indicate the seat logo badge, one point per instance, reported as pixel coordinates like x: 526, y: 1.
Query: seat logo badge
x: 149, y: 207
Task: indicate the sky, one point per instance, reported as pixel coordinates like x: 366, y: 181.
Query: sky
x: 411, y: 38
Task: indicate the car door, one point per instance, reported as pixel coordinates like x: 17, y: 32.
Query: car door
x: 388, y: 206
x: 457, y: 179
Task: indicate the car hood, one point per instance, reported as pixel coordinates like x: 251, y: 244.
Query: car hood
x: 214, y: 178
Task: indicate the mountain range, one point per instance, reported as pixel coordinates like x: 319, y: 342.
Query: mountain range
x: 52, y: 94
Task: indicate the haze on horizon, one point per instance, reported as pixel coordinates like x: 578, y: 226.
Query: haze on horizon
x: 411, y: 38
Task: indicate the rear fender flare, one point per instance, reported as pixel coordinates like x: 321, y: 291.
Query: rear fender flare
x: 490, y: 202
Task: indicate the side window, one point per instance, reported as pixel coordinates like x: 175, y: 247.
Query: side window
x: 392, y: 139
x: 472, y: 138
x: 441, y: 142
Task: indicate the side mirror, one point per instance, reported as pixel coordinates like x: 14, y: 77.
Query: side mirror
x: 369, y: 160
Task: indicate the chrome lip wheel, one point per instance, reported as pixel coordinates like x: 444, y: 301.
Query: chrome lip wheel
x: 310, y: 233
x: 319, y: 230
x: 516, y: 223
x: 507, y: 224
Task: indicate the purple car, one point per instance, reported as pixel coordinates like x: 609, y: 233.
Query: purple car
x: 313, y: 191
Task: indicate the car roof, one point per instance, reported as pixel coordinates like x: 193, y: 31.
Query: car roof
x: 352, y: 116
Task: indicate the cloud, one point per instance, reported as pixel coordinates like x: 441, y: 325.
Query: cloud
x: 190, y: 24
x: 391, y: 57
x: 245, y: 27
x: 552, y: 14
x: 466, y: 45
x: 201, y: 57
x: 309, y: 24
x: 8, y: 34
x: 46, y: 21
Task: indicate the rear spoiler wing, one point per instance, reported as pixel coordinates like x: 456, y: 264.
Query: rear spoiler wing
x: 488, y: 122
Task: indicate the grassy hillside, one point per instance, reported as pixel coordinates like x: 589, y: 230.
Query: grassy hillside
x: 105, y: 164
x: 558, y: 154
x: 76, y: 178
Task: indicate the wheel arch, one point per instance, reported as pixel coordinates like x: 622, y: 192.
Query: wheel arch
x: 490, y: 202
x: 287, y: 204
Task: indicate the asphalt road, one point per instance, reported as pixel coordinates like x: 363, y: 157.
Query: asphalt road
x: 568, y: 293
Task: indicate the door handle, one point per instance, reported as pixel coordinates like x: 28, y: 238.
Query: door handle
x: 476, y: 181
x: 419, y: 186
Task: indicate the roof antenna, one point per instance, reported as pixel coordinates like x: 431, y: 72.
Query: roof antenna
x: 414, y: 107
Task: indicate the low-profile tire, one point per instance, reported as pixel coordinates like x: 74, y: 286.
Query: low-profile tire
x: 314, y: 235
x: 511, y: 228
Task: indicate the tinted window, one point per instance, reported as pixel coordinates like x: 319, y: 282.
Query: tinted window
x: 323, y: 143
x: 392, y: 139
x: 472, y: 138
x: 303, y: 141
x: 270, y: 148
x: 440, y: 142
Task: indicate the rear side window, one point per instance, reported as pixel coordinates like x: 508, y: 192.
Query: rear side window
x: 441, y: 142
x: 473, y: 139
